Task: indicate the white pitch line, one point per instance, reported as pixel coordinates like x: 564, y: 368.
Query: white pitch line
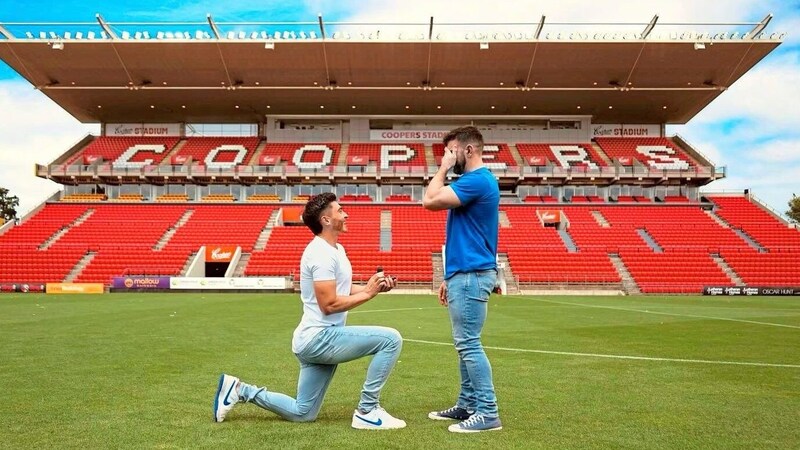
x: 668, y: 314
x: 637, y: 358
x: 394, y: 309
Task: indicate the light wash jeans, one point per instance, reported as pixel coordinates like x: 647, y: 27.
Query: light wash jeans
x: 467, y: 299
x: 318, y: 362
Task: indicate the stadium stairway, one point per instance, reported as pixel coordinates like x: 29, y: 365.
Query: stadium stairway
x: 628, y: 283
x: 241, y: 265
x: 727, y: 269
x: 343, y: 151
x: 647, y: 237
x: 717, y: 218
x: 749, y: 239
x: 188, y: 263
x: 430, y: 160
x: 164, y: 240
x: 568, y: 242
x: 58, y: 234
x: 511, y: 281
x: 599, y: 151
x: 503, y: 219
x: 438, y: 272
x: 601, y: 220
x: 167, y: 161
x: 263, y: 237
x: 82, y: 263
x: 386, y: 230
x: 515, y: 154
x: 258, y: 151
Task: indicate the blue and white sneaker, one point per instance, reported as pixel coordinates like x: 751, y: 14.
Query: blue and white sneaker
x: 226, y: 397
x: 476, y: 424
x: 454, y: 413
x: 377, y: 419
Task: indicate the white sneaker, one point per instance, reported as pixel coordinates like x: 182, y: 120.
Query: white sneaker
x: 377, y: 419
x: 226, y: 397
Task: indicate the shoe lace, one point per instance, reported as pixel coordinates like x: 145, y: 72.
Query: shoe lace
x: 451, y: 410
x: 472, y: 421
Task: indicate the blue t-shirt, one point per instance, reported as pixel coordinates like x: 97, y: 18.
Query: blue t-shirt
x: 471, y: 242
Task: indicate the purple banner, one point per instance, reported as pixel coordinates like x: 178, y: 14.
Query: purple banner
x: 140, y: 282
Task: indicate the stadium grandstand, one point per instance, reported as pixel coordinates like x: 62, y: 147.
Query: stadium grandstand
x: 212, y: 138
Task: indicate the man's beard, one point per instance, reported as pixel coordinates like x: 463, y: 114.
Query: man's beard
x: 458, y: 167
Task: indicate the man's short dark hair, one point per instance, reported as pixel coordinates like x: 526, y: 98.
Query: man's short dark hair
x: 314, y: 208
x: 465, y: 135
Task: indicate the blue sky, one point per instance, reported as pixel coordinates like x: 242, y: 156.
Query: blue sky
x: 753, y: 128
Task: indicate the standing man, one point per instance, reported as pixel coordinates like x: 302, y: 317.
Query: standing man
x: 322, y: 341
x: 470, y: 272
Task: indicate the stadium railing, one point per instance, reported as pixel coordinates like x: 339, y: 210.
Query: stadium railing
x: 348, y: 171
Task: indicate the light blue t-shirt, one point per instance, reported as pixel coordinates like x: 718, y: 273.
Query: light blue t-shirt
x: 472, y: 228
x: 320, y: 262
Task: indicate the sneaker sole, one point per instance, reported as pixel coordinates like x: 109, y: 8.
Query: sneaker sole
x: 216, y: 398
x: 434, y: 416
x: 475, y: 431
x: 359, y: 426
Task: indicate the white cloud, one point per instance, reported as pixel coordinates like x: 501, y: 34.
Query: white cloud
x: 767, y: 96
x: 35, y: 130
x: 780, y: 151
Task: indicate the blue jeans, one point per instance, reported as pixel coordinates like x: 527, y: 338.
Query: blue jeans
x: 318, y: 362
x: 467, y: 299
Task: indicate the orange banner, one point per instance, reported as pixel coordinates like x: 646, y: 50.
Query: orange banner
x: 550, y: 215
x: 219, y: 253
x: 292, y: 215
x: 74, y: 288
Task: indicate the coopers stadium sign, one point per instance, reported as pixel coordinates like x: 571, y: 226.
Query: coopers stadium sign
x: 143, y: 129
x: 407, y: 135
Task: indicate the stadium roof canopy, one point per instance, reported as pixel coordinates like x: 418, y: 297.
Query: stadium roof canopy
x: 243, y: 76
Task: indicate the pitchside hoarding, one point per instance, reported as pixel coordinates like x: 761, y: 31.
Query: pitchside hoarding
x: 747, y: 290
x: 140, y: 282
x: 22, y: 287
x: 199, y: 283
x: 75, y: 288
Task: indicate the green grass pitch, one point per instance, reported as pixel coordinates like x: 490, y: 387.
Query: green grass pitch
x: 140, y: 371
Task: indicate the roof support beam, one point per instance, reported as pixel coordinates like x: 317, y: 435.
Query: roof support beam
x: 213, y: 26
x: 113, y: 37
x: 321, y: 27
x: 105, y: 27
x: 5, y: 33
x: 760, y: 27
x: 324, y: 52
x: 539, y: 28
x: 535, y: 47
x: 626, y: 85
x: 430, y: 52
x: 217, y: 33
x: 649, y: 27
